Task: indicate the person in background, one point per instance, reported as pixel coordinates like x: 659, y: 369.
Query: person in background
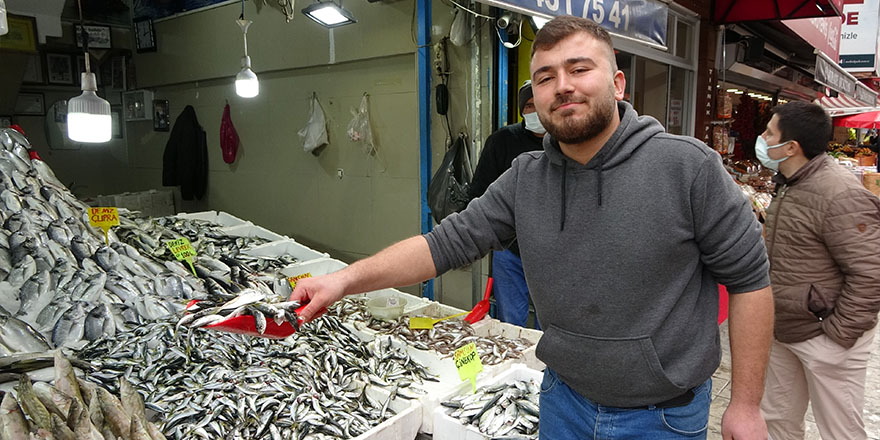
x: 823, y: 236
x: 502, y: 146
x: 625, y: 232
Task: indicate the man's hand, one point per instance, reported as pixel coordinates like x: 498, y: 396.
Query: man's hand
x: 320, y: 292
x: 743, y: 422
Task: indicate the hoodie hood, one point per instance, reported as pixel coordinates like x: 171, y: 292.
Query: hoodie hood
x: 631, y: 134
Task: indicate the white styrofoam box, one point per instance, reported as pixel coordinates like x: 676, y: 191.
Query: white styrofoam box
x: 252, y: 230
x: 449, y: 428
x: 145, y: 203
x: 403, y: 425
x: 329, y: 265
x: 163, y: 202
x: 492, y: 327
x: 219, y: 217
x: 284, y: 246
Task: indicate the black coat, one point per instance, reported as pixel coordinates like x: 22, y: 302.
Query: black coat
x: 185, y: 161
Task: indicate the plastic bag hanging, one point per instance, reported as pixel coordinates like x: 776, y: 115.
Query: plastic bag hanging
x: 359, y: 127
x: 228, y: 137
x: 314, y: 134
x: 449, y: 187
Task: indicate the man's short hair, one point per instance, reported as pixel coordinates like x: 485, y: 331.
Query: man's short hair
x: 806, y: 123
x: 564, y: 26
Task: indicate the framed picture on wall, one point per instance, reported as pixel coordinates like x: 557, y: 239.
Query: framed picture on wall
x: 118, y: 125
x: 22, y: 34
x: 161, y: 119
x: 30, y: 104
x: 138, y: 105
x: 59, y: 68
x: 33, y: 70
x: 99, y: 37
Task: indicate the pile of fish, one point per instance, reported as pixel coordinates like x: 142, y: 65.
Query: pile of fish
x: 208, y: 240
x: 502, y: 410
x: 220, y: 385
x: 73, y: 409
x: 263, y: 306
x: 57, y: 275
x: 450, y: 335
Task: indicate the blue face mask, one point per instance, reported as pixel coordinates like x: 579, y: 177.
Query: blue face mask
x: 762, y: 151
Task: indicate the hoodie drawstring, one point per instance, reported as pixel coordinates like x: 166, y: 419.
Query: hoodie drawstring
x: 601, y: 165
x: 562, y: 209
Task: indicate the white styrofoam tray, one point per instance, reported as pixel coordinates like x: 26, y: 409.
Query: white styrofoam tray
x: 444, y: 366
x: 449, y: 428
x: 285, y: 246
x: 330, y: 265
x: 252, y: 230
x: 403, y: 425
x: 492, y: 327
x: 219, y: 217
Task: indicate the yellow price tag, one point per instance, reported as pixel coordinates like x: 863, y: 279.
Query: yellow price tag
x: 182, y: 250
x: 104, y: 218
x: 293, y: 280
x: 468, y: 363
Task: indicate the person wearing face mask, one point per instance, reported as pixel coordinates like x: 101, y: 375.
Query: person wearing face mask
x: 501, y: 148
x: 822, y: 233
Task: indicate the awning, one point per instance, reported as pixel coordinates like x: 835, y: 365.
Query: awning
x: 733, y: 11
x: 861, y: 120
x: 842, y: 105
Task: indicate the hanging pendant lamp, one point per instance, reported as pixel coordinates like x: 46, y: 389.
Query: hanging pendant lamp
x: 246, y: 83
x: 88, y: 115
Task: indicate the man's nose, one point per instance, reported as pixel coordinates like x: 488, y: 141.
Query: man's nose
x: 564, y: 85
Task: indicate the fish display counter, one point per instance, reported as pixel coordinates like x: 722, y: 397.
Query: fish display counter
x: 116, y: 307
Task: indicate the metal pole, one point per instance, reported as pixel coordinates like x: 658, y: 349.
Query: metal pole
x: 424, y: 66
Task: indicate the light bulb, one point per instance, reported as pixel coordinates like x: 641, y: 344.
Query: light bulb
x: 246, y: 83
x: 88, y: 116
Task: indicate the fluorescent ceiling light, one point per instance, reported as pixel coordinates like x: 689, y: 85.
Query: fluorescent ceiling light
x: 88, y: 116
x: 329, y: 14
x: 246, y: 83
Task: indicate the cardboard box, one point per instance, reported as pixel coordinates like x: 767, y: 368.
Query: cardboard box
x: 871, y: 180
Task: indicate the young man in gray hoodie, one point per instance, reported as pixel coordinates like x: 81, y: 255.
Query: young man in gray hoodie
x: 625, y: 232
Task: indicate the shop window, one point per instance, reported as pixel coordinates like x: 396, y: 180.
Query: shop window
x: 682, y: 39
x: 650, y: 87
x: 676, y: 118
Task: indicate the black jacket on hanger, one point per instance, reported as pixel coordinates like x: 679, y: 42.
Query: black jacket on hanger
x: 185, y: 161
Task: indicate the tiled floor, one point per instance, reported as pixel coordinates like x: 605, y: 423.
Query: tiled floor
x: 721, y: 394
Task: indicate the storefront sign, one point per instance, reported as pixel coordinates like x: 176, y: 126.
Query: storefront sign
x: 858, y: 35
x: 831, y: 75
x: 822, y: 33
x: 643, y: 20
x: 865, y: 95
x: 182, y: 250
x: 104, y: 218
x: 468, y: 363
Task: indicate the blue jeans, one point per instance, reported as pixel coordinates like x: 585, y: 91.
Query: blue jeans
x: 565, y: 414
x: 511, y: 291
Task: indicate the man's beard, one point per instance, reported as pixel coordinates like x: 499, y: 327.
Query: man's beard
x: 573, y: 130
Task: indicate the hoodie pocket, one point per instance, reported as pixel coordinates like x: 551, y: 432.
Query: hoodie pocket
x: 622, y: 372
x: 821, y: 300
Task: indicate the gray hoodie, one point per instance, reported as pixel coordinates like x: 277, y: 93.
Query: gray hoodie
x: 622, y: 257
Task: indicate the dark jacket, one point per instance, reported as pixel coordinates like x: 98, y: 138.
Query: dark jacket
x: 623, y: 257
x: 501, y: 148
x: 185, y: 161
x: 823, y: 237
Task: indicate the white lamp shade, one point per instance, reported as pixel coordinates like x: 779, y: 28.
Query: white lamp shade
x: 88, y: 116
x: 246, y: 83
x: 329, y: 15
x: 84, y: 127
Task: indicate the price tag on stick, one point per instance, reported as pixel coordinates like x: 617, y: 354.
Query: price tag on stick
x: 182, y: 250
x: 293, y: 280
x: 468, y: 363
x: 104, y: 218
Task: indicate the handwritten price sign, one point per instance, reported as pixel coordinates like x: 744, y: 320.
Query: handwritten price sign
x: 104, y: 218
x: 182, y: 250
x: 468, y: 363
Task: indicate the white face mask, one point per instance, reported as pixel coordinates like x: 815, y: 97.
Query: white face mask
x: 533, y: 124
x: 762, y: 151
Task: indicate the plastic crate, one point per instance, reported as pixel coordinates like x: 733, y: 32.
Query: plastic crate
x: 448, y: 428
x: 403, y: 425
x: 284, y: 246
x: 218, y: 217
x: 252, y: 230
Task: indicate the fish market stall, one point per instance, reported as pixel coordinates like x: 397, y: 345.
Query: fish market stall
x: 134, y: 321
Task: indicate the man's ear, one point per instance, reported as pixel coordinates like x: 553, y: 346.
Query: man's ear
x: 794, y: 149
